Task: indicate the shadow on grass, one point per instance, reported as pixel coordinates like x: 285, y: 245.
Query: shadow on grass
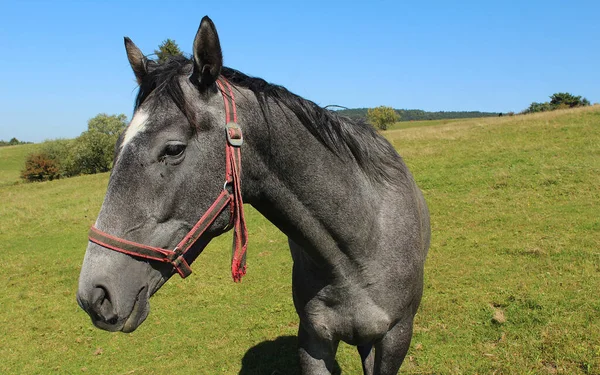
x: 277, y: 357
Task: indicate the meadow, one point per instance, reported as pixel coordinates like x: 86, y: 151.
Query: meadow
x: 512, y: 279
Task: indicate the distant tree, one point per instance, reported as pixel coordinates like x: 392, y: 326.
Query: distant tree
x: 382, y: 116
x: 559, y: 100
x: 13, y: 142
x: 166, y: 49
x: 417, y: 114
x: 93, y: 150
x: 564, y: 99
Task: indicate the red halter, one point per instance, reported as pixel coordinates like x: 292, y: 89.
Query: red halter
x: 233, y: 169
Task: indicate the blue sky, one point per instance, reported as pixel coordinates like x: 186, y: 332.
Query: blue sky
x: 63, y: 62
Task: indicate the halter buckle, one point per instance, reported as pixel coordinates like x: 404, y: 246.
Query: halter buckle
x: 179, y: 263
x: 234, y: 134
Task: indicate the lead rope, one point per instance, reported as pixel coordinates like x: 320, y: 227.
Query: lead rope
x: 233, y: 172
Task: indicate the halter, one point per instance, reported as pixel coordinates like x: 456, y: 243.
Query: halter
x: 177, y: 256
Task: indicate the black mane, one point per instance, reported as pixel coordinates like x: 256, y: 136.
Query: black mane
x: 341, y: 135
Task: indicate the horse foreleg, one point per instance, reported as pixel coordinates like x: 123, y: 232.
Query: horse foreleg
x: 392, y: 348
x: 367, y: 357
x: 317, y: 356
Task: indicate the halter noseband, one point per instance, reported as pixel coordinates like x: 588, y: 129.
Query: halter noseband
x: 176, y: 257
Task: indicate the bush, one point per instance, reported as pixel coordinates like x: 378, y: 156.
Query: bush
x: 40, y: 167
x: 60, y: 151
x: 539, y: 107
x: 91, y: 152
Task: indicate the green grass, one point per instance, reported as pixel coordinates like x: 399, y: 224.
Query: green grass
x: 511, y: 285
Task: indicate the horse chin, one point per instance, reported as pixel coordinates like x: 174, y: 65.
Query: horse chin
x: 139, y: 313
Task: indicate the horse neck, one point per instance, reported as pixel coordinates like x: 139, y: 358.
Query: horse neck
x: 324, y: 203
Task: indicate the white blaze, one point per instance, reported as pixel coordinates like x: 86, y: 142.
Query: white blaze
x: 136, y: 126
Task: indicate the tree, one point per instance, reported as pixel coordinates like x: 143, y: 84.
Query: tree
x: 559, y: 100
x: 382, y: 116
x: 93, y: 150
x: 166, y: 49
x: 110, y: 125
x: 564, y: 99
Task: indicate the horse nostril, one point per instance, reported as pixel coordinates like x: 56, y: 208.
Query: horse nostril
x: 112, y: 320
x: 98, y: 294
x: 101, y: 305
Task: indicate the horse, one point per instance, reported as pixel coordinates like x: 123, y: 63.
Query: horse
x: 357, y: 224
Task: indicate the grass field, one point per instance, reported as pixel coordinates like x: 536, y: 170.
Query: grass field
x: 512, y: 279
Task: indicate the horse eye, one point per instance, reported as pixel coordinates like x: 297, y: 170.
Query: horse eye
x: 174, y: 149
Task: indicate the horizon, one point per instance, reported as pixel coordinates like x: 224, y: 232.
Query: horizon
x: 66, y: 60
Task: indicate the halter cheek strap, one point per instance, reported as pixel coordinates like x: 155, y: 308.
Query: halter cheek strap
x: 233, y: 169
x: 233, y: 172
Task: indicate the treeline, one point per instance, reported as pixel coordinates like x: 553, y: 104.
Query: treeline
x: 418, y: 114
x: 13, y: 142
x: 91, y: 152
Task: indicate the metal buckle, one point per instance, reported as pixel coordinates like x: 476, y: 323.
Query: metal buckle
x: 177, y: 251
x: 237, y: 139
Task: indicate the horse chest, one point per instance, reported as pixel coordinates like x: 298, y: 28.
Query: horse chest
x: 347, y: 315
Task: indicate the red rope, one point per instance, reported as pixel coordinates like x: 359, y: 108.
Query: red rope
x: 234, y: 171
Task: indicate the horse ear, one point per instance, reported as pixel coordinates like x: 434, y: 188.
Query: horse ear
x: 208, y: 59
x: 136, y: 60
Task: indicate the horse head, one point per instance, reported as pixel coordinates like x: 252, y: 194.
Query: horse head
x: 169, y: 167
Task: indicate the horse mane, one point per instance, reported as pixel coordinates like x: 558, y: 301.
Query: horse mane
x: 345, y: 137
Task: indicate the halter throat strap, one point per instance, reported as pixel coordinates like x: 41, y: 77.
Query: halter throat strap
x: 179, y: 257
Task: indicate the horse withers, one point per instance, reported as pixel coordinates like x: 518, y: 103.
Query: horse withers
x: 357, y: 224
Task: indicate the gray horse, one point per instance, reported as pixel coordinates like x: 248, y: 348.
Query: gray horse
x: 357, y: 224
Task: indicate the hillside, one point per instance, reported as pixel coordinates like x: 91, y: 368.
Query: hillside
x: 12, y: 161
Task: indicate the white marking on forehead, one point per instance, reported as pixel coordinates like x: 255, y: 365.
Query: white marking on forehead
x: 136, y: 126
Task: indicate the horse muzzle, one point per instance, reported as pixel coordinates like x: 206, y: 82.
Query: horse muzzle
x: 114, y: 289
x: 103, y: 311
